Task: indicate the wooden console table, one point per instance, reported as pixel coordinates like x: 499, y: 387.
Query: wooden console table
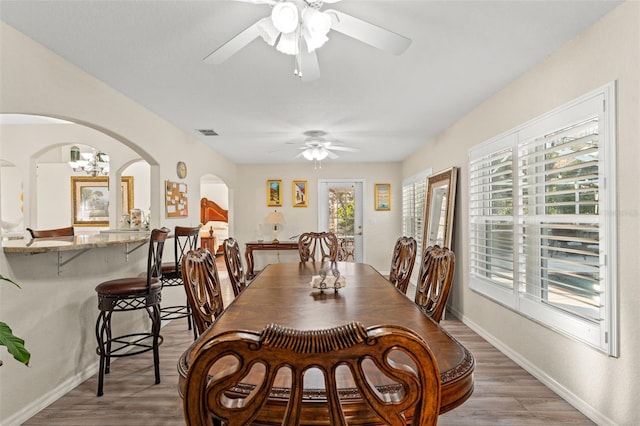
x: 264, y: 245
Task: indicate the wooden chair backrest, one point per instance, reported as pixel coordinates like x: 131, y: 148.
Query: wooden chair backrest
x: 49, y: 233
x: 202, y: 285
x: 154, y: 257
x: 185, y: 238
x: 434, y: 280
x: 412, y: 379
x: 233, y: 261
x: 402, y: 261
x: 318, y: 246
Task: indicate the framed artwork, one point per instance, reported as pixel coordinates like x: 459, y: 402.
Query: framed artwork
x: 383, y: 196
x: 90, y: 199
x: 176, y: 201
x: 299, y: 193
x: 274, y: 193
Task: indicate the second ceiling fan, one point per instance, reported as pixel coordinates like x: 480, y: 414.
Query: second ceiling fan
x: 299, y: 27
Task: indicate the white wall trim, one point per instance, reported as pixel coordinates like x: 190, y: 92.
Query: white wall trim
x: 578, y: 403
x: 65, y: 387
x: 49, y: 398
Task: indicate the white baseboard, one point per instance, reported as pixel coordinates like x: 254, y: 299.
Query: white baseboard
x: 539, y: 374
x: 49, y: 398
x: 58, y: 392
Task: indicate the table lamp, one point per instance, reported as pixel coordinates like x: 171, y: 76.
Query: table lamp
x: 275, y: 218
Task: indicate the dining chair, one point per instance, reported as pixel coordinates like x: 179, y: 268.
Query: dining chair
x: 185, y: 238
x: 202, y: 284
x: 48, y: 233
x: 389, y: 366
x: 324, y: 245
x: 402, y: 261
x: 434, y: 280
x: 233, y: 261
x: 129, y: 294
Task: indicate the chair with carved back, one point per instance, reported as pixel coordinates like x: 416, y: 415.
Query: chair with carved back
x: 320, y: 246
x: 51, y: 233
x: 434, y: 280
x: 202, y: 284
x: 389, y: 366
x: 185, y: 238
x: 404, y: 256
x: 233, y: 261
x: 130, y: 294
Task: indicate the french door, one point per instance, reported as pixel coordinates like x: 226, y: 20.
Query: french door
x: 340, y: 211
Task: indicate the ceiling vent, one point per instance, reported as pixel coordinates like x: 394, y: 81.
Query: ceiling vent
x: 208, y: 132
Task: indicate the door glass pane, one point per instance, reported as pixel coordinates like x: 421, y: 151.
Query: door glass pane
x: 342, y: 220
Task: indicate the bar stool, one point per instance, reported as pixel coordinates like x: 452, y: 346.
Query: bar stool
x: 185, y: 239
x: 128, y: 294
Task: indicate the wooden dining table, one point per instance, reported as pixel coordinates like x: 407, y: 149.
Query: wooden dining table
x: 282, y: 294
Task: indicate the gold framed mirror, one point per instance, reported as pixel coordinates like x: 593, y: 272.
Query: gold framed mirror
x: 439, y: 208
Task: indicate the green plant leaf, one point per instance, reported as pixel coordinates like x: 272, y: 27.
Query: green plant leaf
x: 7, y: 279
x: 14, y: 344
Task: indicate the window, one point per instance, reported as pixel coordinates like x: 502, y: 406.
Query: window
x: 414, y: 191
x: 539, y: 242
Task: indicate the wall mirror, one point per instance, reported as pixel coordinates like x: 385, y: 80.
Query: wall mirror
x: 439, y: 208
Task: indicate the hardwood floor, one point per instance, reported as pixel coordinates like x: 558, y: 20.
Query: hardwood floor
x: 504, y: 393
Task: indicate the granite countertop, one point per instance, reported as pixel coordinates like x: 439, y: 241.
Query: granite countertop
x: 109, y: 238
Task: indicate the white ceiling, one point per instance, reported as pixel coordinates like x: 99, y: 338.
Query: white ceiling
x: 386, y: 106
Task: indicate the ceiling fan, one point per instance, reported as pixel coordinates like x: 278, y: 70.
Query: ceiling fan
x: 299, y: 27
x: 316, y: 148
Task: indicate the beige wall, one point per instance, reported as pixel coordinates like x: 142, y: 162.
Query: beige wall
x: 56, y: 314
x: 380, y: 228
x: 604, y: 388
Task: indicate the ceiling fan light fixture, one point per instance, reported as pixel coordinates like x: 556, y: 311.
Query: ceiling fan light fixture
x: 317, y: 23
x: 288, y: 44
x: 285, y: 16
x: 315, y: 153
x: 268, y: 31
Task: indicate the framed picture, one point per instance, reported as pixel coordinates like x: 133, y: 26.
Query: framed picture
x: 90, y: 199
x: 383, y: 196
x: 274, y: 193
x: 299, y: 193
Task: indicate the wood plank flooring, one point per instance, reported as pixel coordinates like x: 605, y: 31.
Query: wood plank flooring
x: 504, y: 393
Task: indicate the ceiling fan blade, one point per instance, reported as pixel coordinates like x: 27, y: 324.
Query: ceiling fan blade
x: 232, y: 46
x: 309, y: 67
x: 331, y: 155
x: 342, y: 148
x: 371, y: 34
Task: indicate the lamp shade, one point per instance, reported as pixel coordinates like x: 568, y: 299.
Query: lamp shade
x: 275, y: 218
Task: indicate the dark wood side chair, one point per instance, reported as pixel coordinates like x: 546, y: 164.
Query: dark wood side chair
x: 128, y: 294
x: 184, y: 239
x: 404, y: 256
x: 434, y: 280
x: 412, y: 385
x: 233, y: 261
x: 321, y: 246
x: 49, y: 233
x: 202, y: 284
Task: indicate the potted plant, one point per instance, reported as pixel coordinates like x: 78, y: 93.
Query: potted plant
x: 14, y: 344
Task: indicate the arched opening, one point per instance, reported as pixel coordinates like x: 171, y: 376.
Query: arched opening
x: 214, y: 189
x: 40, y: 149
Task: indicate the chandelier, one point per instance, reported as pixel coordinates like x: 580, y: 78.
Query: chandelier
x: 290, y: 23
x: 93, y: 163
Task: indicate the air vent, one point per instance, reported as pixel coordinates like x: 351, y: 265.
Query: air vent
x: 208, y: 132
